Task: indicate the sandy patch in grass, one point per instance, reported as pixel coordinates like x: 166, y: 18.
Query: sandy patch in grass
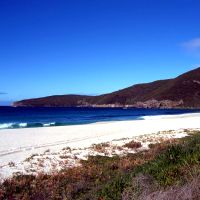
x: 52, y: 161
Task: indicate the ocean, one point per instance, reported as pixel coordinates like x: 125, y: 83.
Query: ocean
x: 24, y: 117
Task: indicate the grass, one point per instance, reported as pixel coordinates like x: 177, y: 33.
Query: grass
x: 170, y: 167
x: 133, y: 145
x: 31, y: 157
x: 101, y: 148
x: 166, y: 169
x: 11, y: 164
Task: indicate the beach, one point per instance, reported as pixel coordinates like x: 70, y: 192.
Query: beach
x: 19, y: 144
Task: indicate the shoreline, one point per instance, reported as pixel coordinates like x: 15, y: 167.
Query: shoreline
x: 29, y: 125
x: 19, y: 144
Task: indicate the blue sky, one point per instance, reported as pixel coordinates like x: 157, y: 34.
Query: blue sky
x: 93, y: 46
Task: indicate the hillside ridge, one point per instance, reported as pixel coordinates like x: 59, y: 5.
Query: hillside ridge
x: 180, y: 92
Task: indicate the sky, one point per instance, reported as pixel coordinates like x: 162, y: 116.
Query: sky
x: 50, y: 47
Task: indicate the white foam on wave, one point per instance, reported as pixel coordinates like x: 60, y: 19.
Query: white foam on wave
x: 12, y: 125
x: 6, y: 125
x: 49, y: 124
x: 23, y: 125
x: 152, y: 117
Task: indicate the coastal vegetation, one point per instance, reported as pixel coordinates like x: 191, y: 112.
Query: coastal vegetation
x: 167, y: 170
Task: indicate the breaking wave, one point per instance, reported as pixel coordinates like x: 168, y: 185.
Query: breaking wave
x: 167, y: 116
x: 28, y: 125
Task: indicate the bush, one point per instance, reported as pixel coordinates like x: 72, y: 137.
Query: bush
x: 133, y: 145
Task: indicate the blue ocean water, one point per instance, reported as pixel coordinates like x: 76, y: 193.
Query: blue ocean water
x: 13, y: 117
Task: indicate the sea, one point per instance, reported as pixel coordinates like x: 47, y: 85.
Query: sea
x: 25, y: 117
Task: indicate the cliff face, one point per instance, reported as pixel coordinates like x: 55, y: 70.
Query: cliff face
x: 180, y: 92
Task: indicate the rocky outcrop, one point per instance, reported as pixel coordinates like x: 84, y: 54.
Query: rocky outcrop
x: 159, y: 104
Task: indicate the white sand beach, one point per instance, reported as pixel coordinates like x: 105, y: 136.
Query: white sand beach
x: 16, y: 145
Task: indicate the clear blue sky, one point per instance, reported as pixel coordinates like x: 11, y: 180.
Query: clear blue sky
x: 94, y: 46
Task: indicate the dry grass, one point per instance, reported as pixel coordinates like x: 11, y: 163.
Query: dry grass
x: 189, y: 191
x: 31, y: 157
x: 11, y: 164
x: 133, y: 145
x: 101, y: 148
x: 145, y: 188
x: 64, y: 156
x: 167, y: 169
